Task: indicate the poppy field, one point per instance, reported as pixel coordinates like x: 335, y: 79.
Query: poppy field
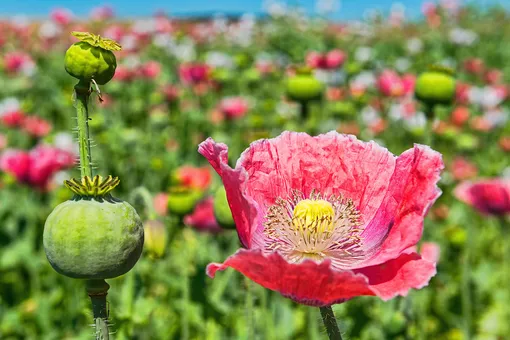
x: 275, y: 177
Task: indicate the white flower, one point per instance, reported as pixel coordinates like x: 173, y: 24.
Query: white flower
x: 219, y: 59
x: 462, y: 36
x: 487, y: 96
x: 414, y: 45
x: 364, y: 79
x: 363, y: 54
x: 402, y: 64
x: 49, y: 29
x: 416, y: 121
x: 129, y: 42
x: 65, y: 141
x: 8, y: 105
x: 369, y: 115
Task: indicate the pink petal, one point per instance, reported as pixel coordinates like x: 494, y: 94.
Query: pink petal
x: 430, y: 251
x: 489, y: 196
x: 307, y: 283
x: 244, y: 208
x: 398, y: 276
x: 411, y: 193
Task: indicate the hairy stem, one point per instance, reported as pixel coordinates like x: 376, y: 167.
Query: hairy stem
x: 97, y: 290
x: 82, y: 92
x: 328, y: 317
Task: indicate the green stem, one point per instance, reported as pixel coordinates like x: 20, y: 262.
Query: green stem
x: 97, y: 290
x: 185, y: 297
x: 82, y: 92
x: 328, y: 317
x: 304, y: 111
x: 249, y: 310
x: 466, y: 283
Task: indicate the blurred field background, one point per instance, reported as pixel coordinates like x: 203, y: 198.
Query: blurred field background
x: 183, y: 78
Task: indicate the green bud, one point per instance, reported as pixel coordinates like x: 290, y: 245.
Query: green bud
x: 436, y: 86
x: 222, y: 210
x: 182, y: 201
x: 304, y: 86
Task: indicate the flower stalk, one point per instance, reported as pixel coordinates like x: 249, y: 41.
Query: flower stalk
x: 328, y: 317
x: 97, y: 291
x: 82, y: 94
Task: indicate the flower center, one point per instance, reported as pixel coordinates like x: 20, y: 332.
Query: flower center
x: 314, y: 228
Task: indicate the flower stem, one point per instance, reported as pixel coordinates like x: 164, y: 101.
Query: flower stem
x: 97, y: 290
x: 82, y: 92
x: 328, y: 317
x: 146, y: 198
x: 249, y: 309
x: 466, y: 284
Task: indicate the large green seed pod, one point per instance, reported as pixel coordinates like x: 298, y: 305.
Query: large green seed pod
x: 93, y: 236
x: 436, y: 86
x: 91, y: 58
x: 304, y: 87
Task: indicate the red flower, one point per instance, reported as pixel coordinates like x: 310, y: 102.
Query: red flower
x: 150, y: 70
x: 460, y: 115
x: 195, y: 178
x: 328, y: 218
x: 203, y: 218
x: 490, y: 197
x: 334, y: 59
x: 16, y: 163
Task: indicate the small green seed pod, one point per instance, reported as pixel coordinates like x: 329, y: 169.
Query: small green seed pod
x: 222, y: 210
x: 182, y: 201
x: 304, y: 87
x: 94, y: 235
x: 436, y: 86
x: 91, y: 58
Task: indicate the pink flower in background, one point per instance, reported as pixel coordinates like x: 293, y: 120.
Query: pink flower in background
x: 202, y: 218
x: 462, y: 93
x: 493, y: 76
x: 102, y: 13
x: 474, y: 65
x: 16, y: 163
x: 314, y: 59
x: 115, y: 32
x: 36, y: 126
x: 488, y: 196
x: 37, y: 166
x: 123, y: 73
x: 61, y: 16
x: 171, y: 92
x: 150, y: 70
x: 161, y: 203
x: 12, y: 118
x: 322, y: 222
x: 390, y: 84
x: 194, y: 73
x: 16, y: 62
x: 408, y: 82
x: 335, y: 59
x: 234, y: 107
x: 463, y: 169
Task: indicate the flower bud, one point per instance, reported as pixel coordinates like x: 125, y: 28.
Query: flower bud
x: 155, y: 238
x: 304, y: 86
x: 436, y: 86
x: 182, y: 201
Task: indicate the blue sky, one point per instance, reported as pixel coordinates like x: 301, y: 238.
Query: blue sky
x: 349, y: 8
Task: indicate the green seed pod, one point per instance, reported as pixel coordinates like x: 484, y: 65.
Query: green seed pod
x: 182, y: 201
x: 92, y: 58
x: 94, y: 235
x: 304, y: 87
x: 222, y: 209
x: 436, y: 86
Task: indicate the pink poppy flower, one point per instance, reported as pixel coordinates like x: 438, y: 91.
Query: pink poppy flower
x: 160, y: 203
x: 61, y: 16
x: 150, y: 70
x: 489, y: 196
x: 102, y: 13
x: 36, y: 126
x: 334, y: 59
x: 463, y: 169
x: 194, y: 73
x: 328, y: 218
x: 16, y: 163
x: 12, y: 118
x: 460, y: 115
x: 202, y: 218
x: 314, y: 59
x: 18, y: 62
x: 390, y: 84
x: 234, y: 107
